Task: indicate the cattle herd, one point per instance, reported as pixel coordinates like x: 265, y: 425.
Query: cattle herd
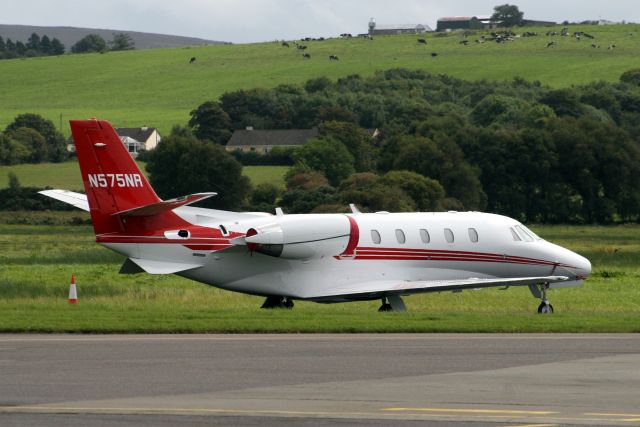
x: 499, y: 37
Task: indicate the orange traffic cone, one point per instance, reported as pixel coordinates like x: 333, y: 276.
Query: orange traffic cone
x: 73, y: 292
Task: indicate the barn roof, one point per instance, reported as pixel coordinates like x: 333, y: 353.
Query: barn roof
x: 402, y: 27
x: 246, y: 137
x: 455, y: 18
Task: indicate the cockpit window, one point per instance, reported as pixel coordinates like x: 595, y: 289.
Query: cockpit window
x: 531, y: 233
x: 523, y: 234
x: 515, y: 235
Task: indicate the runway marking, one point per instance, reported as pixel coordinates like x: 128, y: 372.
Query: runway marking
x: 473, y: 411
x: 533, y: 425
x: 311, y: 337
x: 634, y: 417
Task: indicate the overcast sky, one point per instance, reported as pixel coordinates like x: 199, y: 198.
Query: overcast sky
x: 241, y: 21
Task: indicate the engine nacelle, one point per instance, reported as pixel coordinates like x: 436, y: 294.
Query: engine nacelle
x: 304, y: 237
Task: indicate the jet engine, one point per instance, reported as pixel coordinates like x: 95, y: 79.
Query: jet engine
x: 305, y: 237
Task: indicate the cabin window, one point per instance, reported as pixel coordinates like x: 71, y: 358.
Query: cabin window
x: 448, y: 235
x: 515, y: 235
x: 473, y: 235
x: 400, y: 237
x: 375, y: 237
x: 523, y: 234
x: 424, y: 236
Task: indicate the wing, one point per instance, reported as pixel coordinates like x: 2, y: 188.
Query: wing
x: 371, y: 290
x: 78, y: 200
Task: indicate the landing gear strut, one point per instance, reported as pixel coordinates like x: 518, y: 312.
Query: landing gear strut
x: 545, y: 306
x: 275, y: 301
x: 395, y: 304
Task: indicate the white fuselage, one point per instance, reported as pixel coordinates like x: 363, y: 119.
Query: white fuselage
x: 386, y: 246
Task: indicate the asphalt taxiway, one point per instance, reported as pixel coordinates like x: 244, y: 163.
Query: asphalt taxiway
x: 320, y: 379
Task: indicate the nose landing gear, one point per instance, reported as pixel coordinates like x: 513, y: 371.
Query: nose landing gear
x: 545, y: 306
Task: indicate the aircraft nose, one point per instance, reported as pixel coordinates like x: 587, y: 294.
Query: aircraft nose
x: 583, y: 265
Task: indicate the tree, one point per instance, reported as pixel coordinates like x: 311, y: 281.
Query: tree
x: 45, y: 45
x: 182, y: 164
x: 89, y: 43
x: 33, y: 142
x: 328, y: 156
x: 631, y: 77
x: 122, y: 41
x: 57, y: 48
x: 56, y: 147
x: 12, y: 152
x: 264, y: 196
x: 210, y: 122
x: 507, y: 15
x: 357, y: 140
x: 34, y: 42
x: 426, y: 193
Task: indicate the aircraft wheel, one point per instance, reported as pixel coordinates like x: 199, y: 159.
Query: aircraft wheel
x: 385, y: 307
x: 545, y: 308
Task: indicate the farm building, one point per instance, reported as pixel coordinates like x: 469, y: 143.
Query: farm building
x: 135, y: 139
x: 380, y: 30
x: 262, y: 141
x: 451, y: 23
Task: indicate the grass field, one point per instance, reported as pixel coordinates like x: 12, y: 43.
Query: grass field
x: 67, y: 175
x: 36, y: 263
x: 159, y: 87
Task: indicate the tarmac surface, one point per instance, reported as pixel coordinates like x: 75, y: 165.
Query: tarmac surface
x: 321, y: 380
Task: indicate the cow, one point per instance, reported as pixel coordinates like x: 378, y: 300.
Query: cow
x: 192, y: 60
x: 302, y: 47
x: 464, y: 42
x: 306, y: 55
x: 285, y: 44
x: 551, y: 44
x: 434, y: 54
x: 422, y: 41
x: 333, y: 58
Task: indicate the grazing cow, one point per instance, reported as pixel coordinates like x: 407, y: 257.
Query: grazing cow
x: 192, y: 60
x: 306, y: 55
x: 285, y: 44
x: 422, y: 41
x: 302, y: 47
x: 589, y: 36
x: 333, y: 58
x: 611, y: 46
x: 595, y: 46
x: 464, y: 42
x: 565, y: 31
x: 433, y: 54
x: 551, y: 44
x: 346, y: 35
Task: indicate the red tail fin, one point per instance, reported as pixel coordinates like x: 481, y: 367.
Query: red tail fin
x: 112, y: 180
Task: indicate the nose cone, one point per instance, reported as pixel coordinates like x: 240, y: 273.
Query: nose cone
x: 583, y: 267
x: 574, y: 263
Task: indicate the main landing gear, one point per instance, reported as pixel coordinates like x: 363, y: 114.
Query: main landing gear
x: 275, y: 301
x: 395, y: 304
x: 545, y: 306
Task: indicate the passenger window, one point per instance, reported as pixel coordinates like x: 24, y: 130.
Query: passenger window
x: 424, y: 236
x: 515, y: 235
x: 448, y: 235
x: 400, y: 237
x: 375, y: 236
x: 473, y: 235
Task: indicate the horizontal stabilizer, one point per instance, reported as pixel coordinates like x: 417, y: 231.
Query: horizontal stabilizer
x: 165, y: 205
x: 78, y: 200
x: 389, y: 287
x: 159, y: 267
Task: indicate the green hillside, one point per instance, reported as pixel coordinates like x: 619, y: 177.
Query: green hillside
x: 67, y: 175
x: 159, y: 87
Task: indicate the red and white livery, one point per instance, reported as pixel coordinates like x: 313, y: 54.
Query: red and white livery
x: 315, y: 257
